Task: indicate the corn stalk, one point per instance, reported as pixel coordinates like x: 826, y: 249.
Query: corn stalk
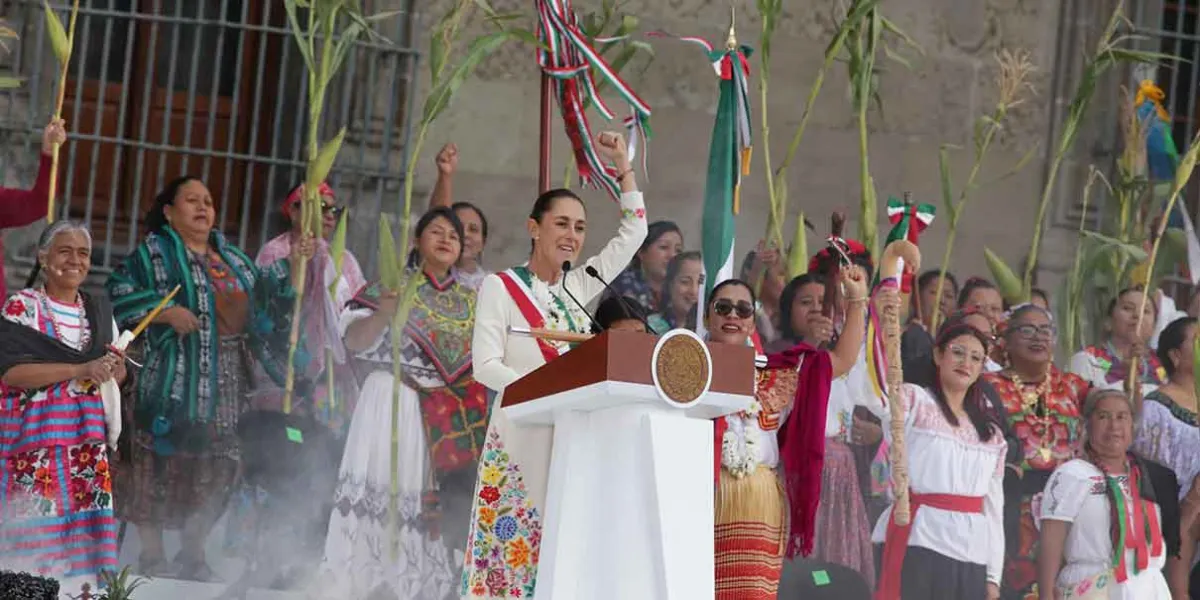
x: 333, y: 28
x: 777, y: 182
x: 612, y: 35
x: 1183, y: 173
x: 1013, y: 85
x: 865, y: 43
x: 1108, y: 54
x: 63, y: 43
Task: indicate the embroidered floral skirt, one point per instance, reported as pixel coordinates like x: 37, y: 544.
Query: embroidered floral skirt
x: 506, y: 520
x: 750, y: 535
x: 56, y: 511
x: 364, y: 553
x: 1147, y: 585
x: 165, y: 490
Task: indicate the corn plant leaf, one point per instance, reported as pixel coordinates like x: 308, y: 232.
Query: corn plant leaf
x: 798, y: 253
x: 1006, y: 279
x: 337, y: 250
x: 441, y: 96
x: 59, y: 42
x: 947, y: 182
x: 389, y: 260
x: 318, y: 170
x: 347, y: 42
x: 1132, y: 252
x: 290, y: 6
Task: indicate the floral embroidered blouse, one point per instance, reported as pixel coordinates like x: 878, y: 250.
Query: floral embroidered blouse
x: 1049, y: 429
x: 1100, y: 366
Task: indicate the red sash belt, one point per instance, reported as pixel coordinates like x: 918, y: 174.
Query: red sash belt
x: 895, y: 545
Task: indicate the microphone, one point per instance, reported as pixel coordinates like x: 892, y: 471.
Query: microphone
x: 566, y: 268
x: 592, y: 272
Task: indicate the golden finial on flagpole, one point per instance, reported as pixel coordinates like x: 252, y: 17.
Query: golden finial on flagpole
x: 731, y: 41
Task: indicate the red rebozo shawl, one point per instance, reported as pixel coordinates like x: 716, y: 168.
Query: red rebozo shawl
x: 802, y: 441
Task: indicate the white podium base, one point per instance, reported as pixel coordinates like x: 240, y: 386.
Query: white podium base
x: 629, y: 507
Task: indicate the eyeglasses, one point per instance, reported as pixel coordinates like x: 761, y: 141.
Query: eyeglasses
x: 724, y: 307
x: 333, y: 210
x: 1030, y: 332
x: 961, y: 354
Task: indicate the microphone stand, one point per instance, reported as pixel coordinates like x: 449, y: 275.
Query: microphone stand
x: 566, y: 268
x: 592, y: 272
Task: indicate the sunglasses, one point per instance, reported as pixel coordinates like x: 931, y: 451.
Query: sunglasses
x: 334, y: 210
x: 724, y: 307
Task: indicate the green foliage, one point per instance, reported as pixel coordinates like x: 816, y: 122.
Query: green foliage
x: 120, y: 585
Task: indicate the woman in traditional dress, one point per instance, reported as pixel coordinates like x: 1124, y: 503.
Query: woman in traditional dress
x: 1041, y: 405
x: 953, y: 546
x: 506, y: 522
x: 441, y: 424
x: 1167, y: 426
x: 192, y: 391
x: 768, y: 483
x: 680, y: 293
x: 319, y: 309
x: 469, y: 269
x: 1108, y: 364
x: 646, y: 277
x: 56, y: 506
x: 1101, y: 527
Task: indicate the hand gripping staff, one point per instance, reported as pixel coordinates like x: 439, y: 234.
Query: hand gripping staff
x: 110, y: 392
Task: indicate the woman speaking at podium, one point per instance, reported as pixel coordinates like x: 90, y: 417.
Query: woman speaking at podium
x: 506, y: 522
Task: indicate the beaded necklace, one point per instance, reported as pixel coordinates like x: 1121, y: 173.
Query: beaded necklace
x: 1034, y: 401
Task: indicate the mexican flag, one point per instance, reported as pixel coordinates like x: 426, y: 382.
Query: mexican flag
x: 728, y: 162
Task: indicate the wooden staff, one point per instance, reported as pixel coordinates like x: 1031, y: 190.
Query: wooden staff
x: 890, y: 323
x: 832, y: 305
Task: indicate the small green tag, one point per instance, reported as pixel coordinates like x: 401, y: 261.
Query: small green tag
x: 295, y: 435
x: 821, y: 578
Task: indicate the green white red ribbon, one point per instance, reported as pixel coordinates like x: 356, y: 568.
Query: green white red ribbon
x: 570, y: 59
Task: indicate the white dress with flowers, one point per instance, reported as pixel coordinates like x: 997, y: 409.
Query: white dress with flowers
x: 506, y: 522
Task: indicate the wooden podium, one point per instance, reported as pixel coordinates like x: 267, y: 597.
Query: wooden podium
x: 629, y: 499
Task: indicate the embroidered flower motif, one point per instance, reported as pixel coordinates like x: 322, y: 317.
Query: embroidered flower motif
x: 517, y: 553
x: 489, y: 494
x: 506, y: 528
x: 15, y: 308
x: 82, y: 457
x: 633, y: 213
x: 505, y: 531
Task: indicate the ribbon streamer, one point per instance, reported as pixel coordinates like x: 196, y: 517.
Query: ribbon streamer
x: 569, y: 59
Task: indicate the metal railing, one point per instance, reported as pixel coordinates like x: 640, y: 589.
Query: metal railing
x: 212, y: 88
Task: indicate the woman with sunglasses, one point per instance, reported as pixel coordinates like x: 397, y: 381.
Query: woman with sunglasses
x: 953, y: 546
x: 506, y: 522
x: 1108, y: 364
x: 753, y: 511
x: 318, y: 309
x: 1042, y: 405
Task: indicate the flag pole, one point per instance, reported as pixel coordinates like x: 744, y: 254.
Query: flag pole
x: 544, y: 134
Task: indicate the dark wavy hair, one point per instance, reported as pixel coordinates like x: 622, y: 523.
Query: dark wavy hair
x: 156, y: 219
x: 444, y: 212
x: 974, y: 404
x: 968, y: 288
x: 673, y: 269
x: 1173, y: 338
x: 483, y: 222
x: 654, y: 232
x: 787, y: 297
x: 614, y: 309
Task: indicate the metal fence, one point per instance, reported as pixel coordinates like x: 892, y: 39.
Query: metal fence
x: 212, y: 88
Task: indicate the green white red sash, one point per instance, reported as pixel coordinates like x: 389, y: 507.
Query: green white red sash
x: 518, y: 290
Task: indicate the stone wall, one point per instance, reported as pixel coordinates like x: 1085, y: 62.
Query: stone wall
x: 495, y: 123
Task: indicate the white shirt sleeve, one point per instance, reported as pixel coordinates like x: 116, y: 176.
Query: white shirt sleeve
x: 1063, y: 495
x: 1082, y: 365
x: 491, y: 335
x: 616, y: 254
x: 993, y: 509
